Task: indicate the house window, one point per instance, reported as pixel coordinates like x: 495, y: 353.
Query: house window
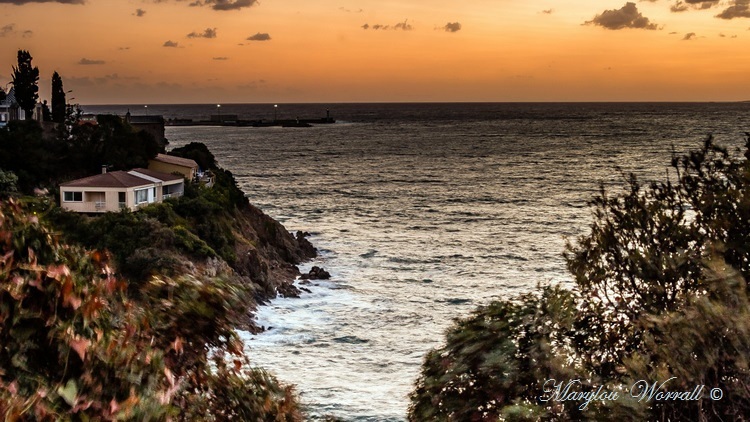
x: 73, y: 197
x: 141, y: 196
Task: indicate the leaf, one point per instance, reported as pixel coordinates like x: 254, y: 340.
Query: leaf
x: 80, y: 345
x: 113, y: 407
x: 177, y: 345
x: 69, y: 393
x: 57, y: 272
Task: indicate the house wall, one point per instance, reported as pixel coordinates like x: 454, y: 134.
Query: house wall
x: 187, y: 172
x: 100, y: 200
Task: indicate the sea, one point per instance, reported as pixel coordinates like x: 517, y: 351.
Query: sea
x: 424, y: 212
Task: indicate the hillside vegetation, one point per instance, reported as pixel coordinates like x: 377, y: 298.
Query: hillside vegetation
x: 661, y: 297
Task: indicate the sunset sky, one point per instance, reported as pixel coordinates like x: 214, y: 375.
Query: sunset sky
x: 247, y: 51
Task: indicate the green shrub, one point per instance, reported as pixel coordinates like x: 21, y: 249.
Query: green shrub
x: 660, y: 292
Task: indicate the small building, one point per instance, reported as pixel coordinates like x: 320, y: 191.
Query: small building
x: 170, y: 164
x: 150, y: 124
x: 9, y: 109
x: 118, y: 190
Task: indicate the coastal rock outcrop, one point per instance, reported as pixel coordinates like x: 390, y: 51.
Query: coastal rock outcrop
x: 316, y: 273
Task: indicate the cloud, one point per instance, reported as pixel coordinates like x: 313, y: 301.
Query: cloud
x: 404, y: 26
x: 344, y: 9
x: 221, y: 58
x: 548, y: 11
x: 208, y: 33
x: 139, y: 13
x: 114, y: 77
x: 689, y: 36
x: 78, y: 82
x: 740, y: 9
x: 7, y: 30
x: 21, y: 2
x: 452, y: 27
x: 626, y: 17
x: 10, y: 29
x: 170, y: 43
x: 123, y: 48
x: 85, y: 61
x: 259, y: 37
x: 685, y: 5
x: 224, y: 4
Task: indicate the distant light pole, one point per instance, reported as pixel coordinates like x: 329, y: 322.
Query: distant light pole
x: 146, y: 107
x: 218, y: 110
x: 275, y: 108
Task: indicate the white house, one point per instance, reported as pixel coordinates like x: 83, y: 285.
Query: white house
x: 117, y: 190
x: 9, y: 109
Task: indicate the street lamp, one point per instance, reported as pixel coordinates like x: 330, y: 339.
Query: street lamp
x: 218, y: 111
x: 146, y: 107
x: 275, y: 107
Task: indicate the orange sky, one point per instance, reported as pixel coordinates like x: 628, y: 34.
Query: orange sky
x: 318, y: 51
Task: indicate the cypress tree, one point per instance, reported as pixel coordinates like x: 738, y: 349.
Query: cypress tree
x: 58, y: 99
x: 25, y: 78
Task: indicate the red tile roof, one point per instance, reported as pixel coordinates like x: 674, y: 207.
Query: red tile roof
x: 178, y: 161
x: 114, y: 179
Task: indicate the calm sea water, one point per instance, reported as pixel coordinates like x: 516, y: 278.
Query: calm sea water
x: 423, y: 212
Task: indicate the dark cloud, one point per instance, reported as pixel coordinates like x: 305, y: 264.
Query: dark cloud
x: 170, y: 43
x: 679, y: 7
x: 85, y: 61
x: 7, y: 30
x: 20, y: 2
x: 224, y: 4
x: 685, y: 5
x: 739, y: 9
x: 139, y: 12
x: 221, y: 58
x: 689, y: 36
x: 10, y: 29
x: 404, y: 26
x: 208, y: 33
x: 626, y: 17
x: 452, y: 27
x: 548, y: 11
x: 78, y: 82
x: 123, y: 48
x: 259, y: 37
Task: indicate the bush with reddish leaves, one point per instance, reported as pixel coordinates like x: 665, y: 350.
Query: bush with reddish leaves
x: 78, y: 345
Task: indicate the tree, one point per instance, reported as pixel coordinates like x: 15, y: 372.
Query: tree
x: 58, y: 99
x: 661, y: 294
x: 25, y: 78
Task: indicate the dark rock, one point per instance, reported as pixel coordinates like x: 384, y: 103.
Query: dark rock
x: 318, y: 273
x: 287, y: 289
x: 306, y: 248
